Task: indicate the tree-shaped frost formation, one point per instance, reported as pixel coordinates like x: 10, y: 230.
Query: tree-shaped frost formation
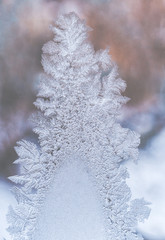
x: 78, y: 104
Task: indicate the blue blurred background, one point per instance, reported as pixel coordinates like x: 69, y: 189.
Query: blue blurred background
x: 135, y: 32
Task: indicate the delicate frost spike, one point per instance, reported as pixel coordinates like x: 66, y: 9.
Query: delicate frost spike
x: 78, y: 103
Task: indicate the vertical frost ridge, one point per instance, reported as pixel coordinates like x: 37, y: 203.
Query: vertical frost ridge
x: 78, y: 103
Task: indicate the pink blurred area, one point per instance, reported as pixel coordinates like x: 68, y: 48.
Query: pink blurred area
x: 135, y: 33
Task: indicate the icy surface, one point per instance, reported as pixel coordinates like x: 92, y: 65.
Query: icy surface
x: 6, y: 198
x: 147, y: 179
x: 76, y: 212
x: 78, y: 104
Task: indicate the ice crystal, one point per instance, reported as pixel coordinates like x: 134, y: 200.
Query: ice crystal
x: 78, y: 103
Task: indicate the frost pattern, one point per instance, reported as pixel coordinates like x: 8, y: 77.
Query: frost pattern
x: 78, y: 103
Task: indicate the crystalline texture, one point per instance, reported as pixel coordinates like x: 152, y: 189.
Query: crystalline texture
x: 78, y: 103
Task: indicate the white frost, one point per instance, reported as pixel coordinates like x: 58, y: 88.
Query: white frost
x: 72, y: 210
x: 6, y: 198
x: 147, y: 179
x: 78, y: 104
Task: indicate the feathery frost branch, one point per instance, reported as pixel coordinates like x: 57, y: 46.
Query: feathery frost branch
x: 78, y: 103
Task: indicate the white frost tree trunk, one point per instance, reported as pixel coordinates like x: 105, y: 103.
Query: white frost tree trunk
x: 78, y: 103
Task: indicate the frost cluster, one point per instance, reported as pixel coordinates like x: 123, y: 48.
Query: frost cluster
x: 78, y: 104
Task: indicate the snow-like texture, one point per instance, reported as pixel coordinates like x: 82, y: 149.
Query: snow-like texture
x: 147, y: 179
x: 78, y: 103
x: 77, y: 213
x: 5, y: 200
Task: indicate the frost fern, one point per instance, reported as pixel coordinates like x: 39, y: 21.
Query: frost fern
x: 78, y: 103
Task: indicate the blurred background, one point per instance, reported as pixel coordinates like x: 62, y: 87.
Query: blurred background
x: 135, y: 32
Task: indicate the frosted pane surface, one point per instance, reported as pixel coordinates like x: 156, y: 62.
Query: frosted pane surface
x: 76, y: 212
